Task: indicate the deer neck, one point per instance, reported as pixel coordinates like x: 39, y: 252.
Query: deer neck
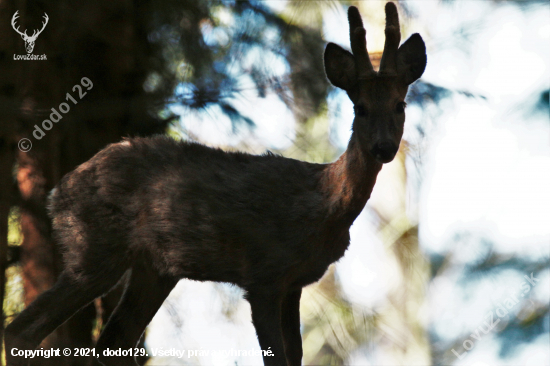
x: 348, y: 182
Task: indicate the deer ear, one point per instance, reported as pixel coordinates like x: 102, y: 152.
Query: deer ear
x: 411, y: 59
x: 340, y: 66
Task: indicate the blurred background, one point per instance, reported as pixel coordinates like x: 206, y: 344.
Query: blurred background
x: 449, y: 263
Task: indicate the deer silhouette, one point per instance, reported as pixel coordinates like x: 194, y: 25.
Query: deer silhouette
x: 164, y: 210
x: 29, y: 40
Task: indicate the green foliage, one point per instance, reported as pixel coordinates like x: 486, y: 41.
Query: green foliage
x: 13, y: 300
x: 214, y: 50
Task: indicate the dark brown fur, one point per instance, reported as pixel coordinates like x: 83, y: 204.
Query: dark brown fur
x: 167, y: 210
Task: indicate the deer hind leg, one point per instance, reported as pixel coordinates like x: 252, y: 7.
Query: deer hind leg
x: 145, y: 292
x: 52, y: 308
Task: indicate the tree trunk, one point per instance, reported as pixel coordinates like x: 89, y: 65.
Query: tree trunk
x: 105, y: 42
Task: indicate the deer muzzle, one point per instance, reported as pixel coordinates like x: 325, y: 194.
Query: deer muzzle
x: 384, y: 151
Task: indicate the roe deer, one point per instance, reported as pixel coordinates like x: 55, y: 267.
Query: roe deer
x: 167, y: 210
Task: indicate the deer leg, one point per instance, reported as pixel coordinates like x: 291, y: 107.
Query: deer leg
x: 266, y: 317
x: 143, y: 296
x: 53, y: 308
x: 290, y: 322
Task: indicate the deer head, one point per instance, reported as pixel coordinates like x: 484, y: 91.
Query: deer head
x: 378, y: 97
x: 29, y: 40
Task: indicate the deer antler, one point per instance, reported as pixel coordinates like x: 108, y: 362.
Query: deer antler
x: 357, y: 37
x: 15, y: 16
x: 388, y: 64
x: 37, y: 33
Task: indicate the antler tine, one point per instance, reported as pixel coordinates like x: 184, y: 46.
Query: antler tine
x: 388, y: 64
x: 358, y: 42
x: 44, y: 23
x: 13, y: 19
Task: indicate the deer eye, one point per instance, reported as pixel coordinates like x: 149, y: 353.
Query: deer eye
x: 400, y: 107
x: 360, y: 111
